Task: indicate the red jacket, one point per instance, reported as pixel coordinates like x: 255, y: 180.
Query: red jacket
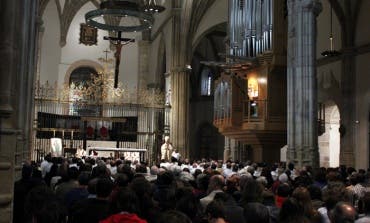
x: 279, y: 201
x: 123, y: 218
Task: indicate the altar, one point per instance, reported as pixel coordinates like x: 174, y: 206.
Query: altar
x: 128, y: 153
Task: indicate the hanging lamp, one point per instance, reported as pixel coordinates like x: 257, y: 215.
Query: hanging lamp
x: 130, y: 16
x: 331, y: 52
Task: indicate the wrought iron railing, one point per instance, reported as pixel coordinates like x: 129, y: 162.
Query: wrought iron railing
x: 152, y: 124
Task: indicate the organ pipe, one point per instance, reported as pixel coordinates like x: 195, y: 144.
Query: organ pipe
x: 250, y: 27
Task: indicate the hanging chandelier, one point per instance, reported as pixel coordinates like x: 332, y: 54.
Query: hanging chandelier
x: 124, y: 16
x: 331, y: 52
x: 151, y: 6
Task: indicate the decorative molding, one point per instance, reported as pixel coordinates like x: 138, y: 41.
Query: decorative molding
x: 5, y: 166
x: 10, y: 131
x: 6, y: 110
x: 5, y: 199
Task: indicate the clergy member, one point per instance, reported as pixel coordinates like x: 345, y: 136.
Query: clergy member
x: 166, y: 149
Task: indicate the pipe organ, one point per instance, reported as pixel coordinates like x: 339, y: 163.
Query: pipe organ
x: 250, y: 27
x: 250, y: 95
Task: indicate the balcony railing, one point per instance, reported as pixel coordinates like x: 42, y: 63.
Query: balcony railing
x: 255, y: 111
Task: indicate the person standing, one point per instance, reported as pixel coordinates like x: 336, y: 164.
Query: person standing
x: 166, y: 149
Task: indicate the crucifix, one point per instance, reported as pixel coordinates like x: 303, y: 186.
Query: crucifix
x: 118, y: 41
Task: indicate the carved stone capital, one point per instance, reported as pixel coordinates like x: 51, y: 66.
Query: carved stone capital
x: 290, y: 5
x: 180, y: 69
x: 6, y: 110
x: 313, y: 6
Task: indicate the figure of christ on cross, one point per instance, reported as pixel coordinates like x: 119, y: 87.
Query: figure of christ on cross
x: 118, y: 42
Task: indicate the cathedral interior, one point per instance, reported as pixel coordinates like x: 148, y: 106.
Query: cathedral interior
x: 261, y: 80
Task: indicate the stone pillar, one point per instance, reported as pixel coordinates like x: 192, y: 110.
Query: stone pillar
x: 234, y: 145
x: 347, y: 107
x: 302, y: 86
x: 179, y: 111
x: 227, y: 150
x: 347, y: 116
x: 180, y: 76
x: 143, y: 64
x: 17, y: 50
x: 257, y: 153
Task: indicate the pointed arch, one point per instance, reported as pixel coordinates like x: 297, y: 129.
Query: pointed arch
x: 66, y: 16
x: 219, y: 26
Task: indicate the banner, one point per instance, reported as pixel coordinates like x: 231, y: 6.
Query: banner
x: 56, y: 147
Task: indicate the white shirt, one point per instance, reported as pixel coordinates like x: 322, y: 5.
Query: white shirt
x: 45, y: 167
x: 324, y: 214
x: 209, y: 198
x: 365, y: 219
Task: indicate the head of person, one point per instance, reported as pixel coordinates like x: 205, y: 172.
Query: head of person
x: 42, y: 206
x: 315, y: 192
x: 343, y: 213
x: 302, y: 195
x: 166, y: 139
x: 215, y: 210
x: 104, y: 187
x: 141, y: 187
x: 26, y: 171
x: 216, y: 182
x: 256, y: 213
x: 366, y: 203
x: 84, y: 178
x: 121, y: 180
x: 73, y: 173
x: 335, y: 192
x: 291, y: 211
x: 127, y: 201
x: 252, y: 191
x: 166, y: 178
x: 174, y: 216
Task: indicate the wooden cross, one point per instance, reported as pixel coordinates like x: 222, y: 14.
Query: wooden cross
x: 118, y: 42
x: 106, y: 55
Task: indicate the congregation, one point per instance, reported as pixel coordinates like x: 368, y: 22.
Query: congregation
x: 106, y: 190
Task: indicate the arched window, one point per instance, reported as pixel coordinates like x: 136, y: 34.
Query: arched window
x: 81, y: 75
x: 79, y: 81
x: 206, y: 82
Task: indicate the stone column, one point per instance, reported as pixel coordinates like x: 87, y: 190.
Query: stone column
x: 347, y: 107
x: 179, y: 111
x: 227, y: 150
x: 257, y: 153
x: 17, y: 51
x: 143, y: 64
x: 302, y: 86
x: 347, y: 116
x: 234, y: 146
x: 180, y: 76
